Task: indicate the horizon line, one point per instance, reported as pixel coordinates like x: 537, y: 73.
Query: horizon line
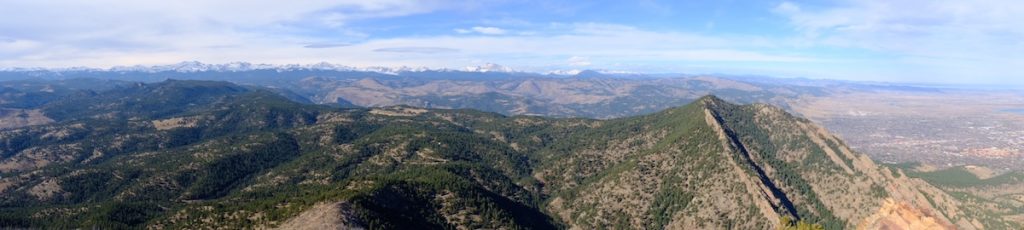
x: 252, y: 66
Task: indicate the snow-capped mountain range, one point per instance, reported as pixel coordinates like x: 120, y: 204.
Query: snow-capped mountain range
x: 195, y: 66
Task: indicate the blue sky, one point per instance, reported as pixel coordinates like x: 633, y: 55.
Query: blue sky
x: 975, y: 42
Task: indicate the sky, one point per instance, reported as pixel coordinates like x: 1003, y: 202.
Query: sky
x: 928, y: 41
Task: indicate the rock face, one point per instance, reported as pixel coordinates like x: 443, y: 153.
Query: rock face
x: 899, y: 215
x: 322, y: 217
x: 177, y: 122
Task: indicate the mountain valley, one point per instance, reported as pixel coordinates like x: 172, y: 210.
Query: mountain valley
x: 939, y: 125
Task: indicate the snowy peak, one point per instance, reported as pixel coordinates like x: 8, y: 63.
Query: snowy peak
x: 588, y: 72
x: 195, y: 66
x: 490, y: 67
x: 192, y: 66
x: 395, y: 70
x: 568, y: 72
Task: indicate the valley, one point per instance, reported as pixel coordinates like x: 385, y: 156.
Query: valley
x: 937, y: 125
x: 946, y: 129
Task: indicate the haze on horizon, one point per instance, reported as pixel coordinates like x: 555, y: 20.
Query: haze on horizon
x: 960, y: 42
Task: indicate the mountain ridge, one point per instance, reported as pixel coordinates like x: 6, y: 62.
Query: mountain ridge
x: 196, y: 66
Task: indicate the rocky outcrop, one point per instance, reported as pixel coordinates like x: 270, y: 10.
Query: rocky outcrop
x: 322, y: 217
x: 900, y: 215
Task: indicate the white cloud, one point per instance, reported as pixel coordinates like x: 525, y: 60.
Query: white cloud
x: 489, y: 30
x: 942, y: 28
x: 326, y: 45
x: 944, y: 39
x: 482, y: 30
x: 234, y: 14
x: 137, y: 32
x: 417, y: 49
x: 8, y: 46
x: 584, y: 40
x: 579, y: 61
x: 787, y: 8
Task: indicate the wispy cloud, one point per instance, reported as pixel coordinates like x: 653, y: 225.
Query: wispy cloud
x: 932, y: 28
x: 943, y: 39
x: 482, y: 30
x: 137, y: 32
x: 578, y: 61
x: 417, y: 49
x: 326, y: 45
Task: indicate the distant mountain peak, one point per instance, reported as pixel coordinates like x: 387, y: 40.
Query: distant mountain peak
x: 711, y: 99
x: 196, y: 66
x: 591, y: 72
x: 237, y: 66
x: 490, y: 67
x: 564, y: 72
